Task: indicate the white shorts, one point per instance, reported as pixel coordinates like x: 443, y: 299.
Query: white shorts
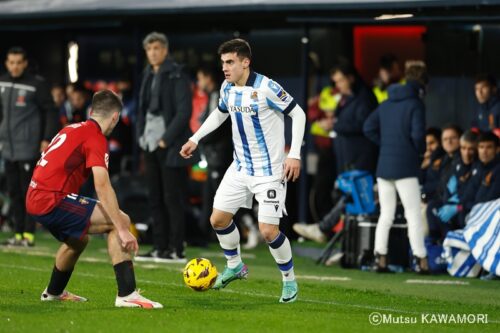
x: 237, y: 190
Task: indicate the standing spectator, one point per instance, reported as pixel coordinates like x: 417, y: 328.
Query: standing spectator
x: 320, y: 114
x: 162, y: 128
x: 352, y: 149
x: 27, y: 123
x: 217, y: 146
x: 388, y: 73
x: 398, y: 127
x: 488, y: 114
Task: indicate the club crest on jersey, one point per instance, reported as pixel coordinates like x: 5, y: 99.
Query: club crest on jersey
x: 271, y: 194
x: 254, y: 96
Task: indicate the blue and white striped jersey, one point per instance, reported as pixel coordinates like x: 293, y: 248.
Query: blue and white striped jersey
x: 257, y: 113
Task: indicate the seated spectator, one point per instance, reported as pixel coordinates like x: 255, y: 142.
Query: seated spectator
x: 58, y: 95
x: 79, y: 109
x: 352, y: 149
x: 452, y: 188
x: 432, y: 143
x: 488, y: 114
x: 484, y: 184
x: 440, y: 163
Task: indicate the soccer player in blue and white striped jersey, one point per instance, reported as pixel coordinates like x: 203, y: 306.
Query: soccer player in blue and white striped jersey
x: 257, y: 106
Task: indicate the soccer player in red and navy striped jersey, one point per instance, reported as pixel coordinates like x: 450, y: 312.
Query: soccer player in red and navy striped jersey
x: 73, y: 154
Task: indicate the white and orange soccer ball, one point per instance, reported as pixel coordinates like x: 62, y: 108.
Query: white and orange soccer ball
x: 200, y: 274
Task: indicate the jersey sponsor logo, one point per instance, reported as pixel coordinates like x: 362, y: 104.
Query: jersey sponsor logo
x: 106, y: 160
x: 242, y: 109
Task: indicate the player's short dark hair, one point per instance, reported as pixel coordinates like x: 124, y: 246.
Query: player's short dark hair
x: 105, y: 102
x: 488, y: 78
x: 238, y: 46
x: 488, y: 137
x: 387, y: 61
x: 435, y: 132
x: 454, y: 127
x: 18, y: 50
x: 469, y: 136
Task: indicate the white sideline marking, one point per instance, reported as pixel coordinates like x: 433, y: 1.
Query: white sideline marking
x: 453, y: 282
x: 252, y: 294
x: 324, y: 278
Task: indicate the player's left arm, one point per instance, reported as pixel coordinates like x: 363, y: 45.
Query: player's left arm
x: 292, y: 162
x: 279, y: 100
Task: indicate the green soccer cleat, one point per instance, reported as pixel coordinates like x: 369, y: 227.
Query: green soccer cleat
x: 231, y: 274
x: 289, y: 292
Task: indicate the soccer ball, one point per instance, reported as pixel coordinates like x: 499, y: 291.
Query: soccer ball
x: 200, y: 274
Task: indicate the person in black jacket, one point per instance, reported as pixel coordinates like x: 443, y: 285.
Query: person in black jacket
x: 441, y: 160
x: 28, y: 121
x: 398, y: 127
x: 484, y: 184
x: 488, y: 113
x: 217, y: 147
x: 162, y: 128
x: 452, y: 188
x: 352, y: 149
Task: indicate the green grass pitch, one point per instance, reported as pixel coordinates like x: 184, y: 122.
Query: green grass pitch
x: 331, y: 299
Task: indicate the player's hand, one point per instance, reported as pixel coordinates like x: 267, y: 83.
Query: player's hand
x: 162, y: 144
x: 43, y: 145
x: 292, y: 169
x: 188, y: 149
x: 128, y: 241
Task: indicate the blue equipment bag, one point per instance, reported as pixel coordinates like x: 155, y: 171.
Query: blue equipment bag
x: 358, y: 185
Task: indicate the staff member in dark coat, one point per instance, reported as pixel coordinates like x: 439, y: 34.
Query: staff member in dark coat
x: 352, y: 149
x: 488, y: 113
x: 28, y: 121
x: 162, y: 128
x: 398, y: 126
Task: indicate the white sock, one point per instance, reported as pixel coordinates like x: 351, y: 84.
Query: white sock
x: 282, y: 252
x: 229, y: 240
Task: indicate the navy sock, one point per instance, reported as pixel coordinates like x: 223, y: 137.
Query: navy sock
x: 125, y: 278
x: 58, y: 281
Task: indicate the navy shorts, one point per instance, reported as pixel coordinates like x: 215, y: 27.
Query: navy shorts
x: 70, y: 218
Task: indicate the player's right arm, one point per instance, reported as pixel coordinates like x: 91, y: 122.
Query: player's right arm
x: 107, y: 198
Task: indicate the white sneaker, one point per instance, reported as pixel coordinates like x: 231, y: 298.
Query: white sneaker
x: 136, y: 300
x: 310, y: 231
x: 65, y: 296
